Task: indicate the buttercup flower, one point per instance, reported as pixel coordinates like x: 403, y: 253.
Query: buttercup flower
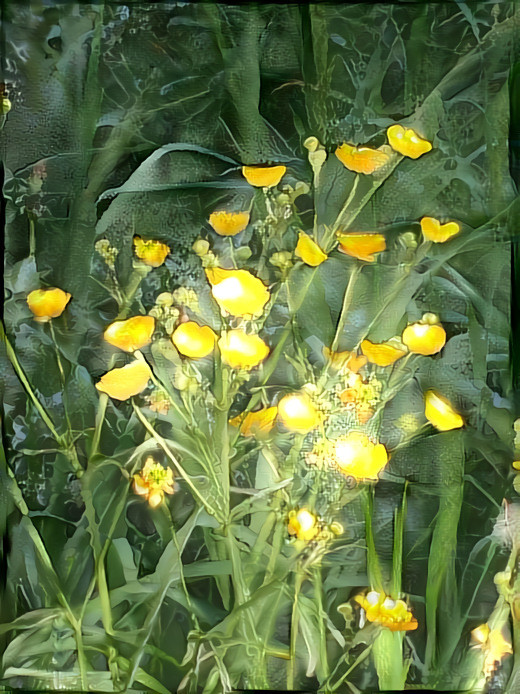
x: 124, y: 382
x: 47, y: 303
x: 357, y: 456
x: 193, y: 340
x: 407, y: 142
x: 263, y: 176
x: 238, y: 292
x: 361, y: 159
x: 434, y: 231
x: 229, y: 223
x: 349, y: 360
x: 381, y: 609
x: 131, y: 334
x: 308, y: 250
x: 494, y: 645
x: 361, y: 245
x: 150, y: 252
x: 242, y: 351
x: 440, y: 413
x: 153, y: 482
x: 382, y: 353
x: 257, y: 423
x: 298, y: 413
x: 425, y: 337
x: 303, y: 524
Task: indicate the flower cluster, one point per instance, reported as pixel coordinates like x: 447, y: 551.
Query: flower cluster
x: 389, y: 613
x: 153, y: 482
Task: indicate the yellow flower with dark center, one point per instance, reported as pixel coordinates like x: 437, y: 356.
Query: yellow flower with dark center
x: 150, y: 252
x: 131, y: 334
x: 349, y: 360
x: 361, y: 245
x: 258, y: 423
x: 47, y: 303
x: 153, y: 482
x: 228, y: 223
x: 124, y: 382
x: 494, y: 645
x: 425, y: 337
x: 242, y: 351
x: 434, y: 231
x: 238, y: 292
x: 303, y: 524
x: 381, y: 609
x: 357, y: 456
x: 193, y: 340
x: 263, y: 176
x: 298, y: 413
x: 308, y: 250
x: 361, y: 159
x: 407, y: 142
x: 382, y: 353
x: 440, y: 413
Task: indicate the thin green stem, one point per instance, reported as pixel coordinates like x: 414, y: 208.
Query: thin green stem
x: 291, y: 665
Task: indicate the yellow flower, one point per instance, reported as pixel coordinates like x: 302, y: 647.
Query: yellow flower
x: 440, y: 413
x: 361, y: 159
x: 494, y: 645
x: 257, y: 423
x: 153, y: 482
x: 362, y: 245
x: 425, y: 337
x: 303, y: 524
x: 242, y: 351
x: 308, y: 250
x: 298, y: 413
x: 47, y: 303
x: 131, y: 334
x: 407, y: 142
x: 357, y: 456
x: 193, y: 340
x: 434, y: 231
x: 238, y: 292
x: 150, y: 252
x: 381, y: 609
x: 361, y: 396
x: 126, y: 381
x: 382, y: 353
x: 350, y: 360
x: 228, y: 223
x: 263, y: 176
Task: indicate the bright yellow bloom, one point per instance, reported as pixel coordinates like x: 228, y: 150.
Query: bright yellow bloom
x: 229, y: 223
x: 350, y: 360
x: 298, y: 413
x: 126, y: 381
x: 303, y: 524
x: 131, y: 334
x: 257, y: 423
x: 357, y: 456
x: 263, y: 176
x: 440, y: 413
x: 381, y: 609
x: 516, y: 464
x: 361, y: 159
x: 47, y: 303
x: 362, y: 245
x: 238, y: 292
x: 494, y: 645
x: 424, y: 337
x: 150, y: 252
x: 242, y: 351
x: 153, y: 482
x: 193, y: 340
x: 434, y: 231
x: 308, y: 250
x: 407, y: 142
x: 382, y: 353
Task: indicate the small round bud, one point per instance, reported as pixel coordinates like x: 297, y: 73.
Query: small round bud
x: 430, y: 318
x: 201, y: 247
x: 312, y: 143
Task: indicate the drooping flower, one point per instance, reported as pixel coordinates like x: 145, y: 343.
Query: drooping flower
x: 193, y: 340
x: 303, y: 524
x: 298, y: 413
x: 361, y: 159
x: 124, y: 382
x: 153, y: 482
x: 382, y: 353
x: 228, y: 223
x: 308, y: 250
x: 150, y: 251
x: 349, y: 360
x: 242, y: 351
x: 434, y: 231
x: 361, y: 245
x: 131, y: 334
x: 258, y: 423
x: 47, y: 303
x: 425, y: 337
x: 357, y: 456
x: 381, y: 609
x: 237, y: 292
x: 407, y: 142
x: 263, y: 176
x: 439, y: 412
x: 493, y: 644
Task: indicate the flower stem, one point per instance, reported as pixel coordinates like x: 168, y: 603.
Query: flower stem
x: 291, y: 665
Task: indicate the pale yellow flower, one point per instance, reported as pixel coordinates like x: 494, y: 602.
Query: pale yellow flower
x: 357, y: 456
x: 439, y: 412
x: 47, y: 303
x: 193, y: 340
x: 131, y: 334
x: 238, y: 292
x: 153, y: 482
x: 303, y: 524
x: 298, y: 413
x: 242, y: 351
x: 494, y: 645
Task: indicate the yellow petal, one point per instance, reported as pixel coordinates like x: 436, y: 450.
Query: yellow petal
x: 47, y: 303
x: 303, y: 524
x: 298, y: 413
x: 358, y: 457
x: 150, y: 251
x: 229, y: 223
x: 362, y: 245
x: 407, y: 142
x: 257, y: 423
x: 238, y: 292
x: 381, y: 354
x: 193, y: 340
x: 131, y: 334
x: 308, y: 250
x: 350, y: 360
x: 361, y: 159
x: 242, y: 351
x: 434, y: 231
x: 263, y: 176
x: 424, y: 338
x: 440, y: 413
x: 124, y: 382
